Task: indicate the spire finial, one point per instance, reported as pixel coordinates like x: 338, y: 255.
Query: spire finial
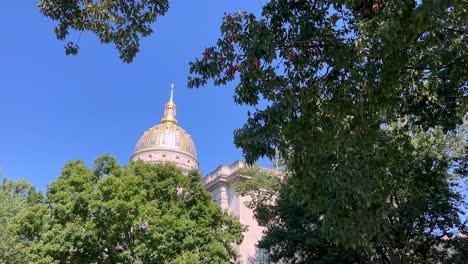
x: 172, y: 93
x: 170, y: 109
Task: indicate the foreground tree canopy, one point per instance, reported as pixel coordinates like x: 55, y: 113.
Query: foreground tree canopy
x: 138, y: 214
x: 424, y: 223
x: 347, y: 86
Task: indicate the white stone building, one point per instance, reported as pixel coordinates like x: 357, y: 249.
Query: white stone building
x: 168, y: 142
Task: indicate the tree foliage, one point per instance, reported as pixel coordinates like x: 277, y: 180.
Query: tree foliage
x: 120, y: 22
x: 293, y: 230
x: 142, y: 213
x: 14, y: 196
x: 334, y: 75
x: 424, y: 223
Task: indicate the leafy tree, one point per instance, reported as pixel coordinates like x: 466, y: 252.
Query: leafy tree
x: 142, y: 213
x: 424, y: 223
x: 293, y: 234
x: 120, y: 22
x: 13, y: 201
x: 332, y: 76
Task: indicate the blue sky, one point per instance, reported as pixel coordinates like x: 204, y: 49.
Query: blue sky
x: 55, y: 108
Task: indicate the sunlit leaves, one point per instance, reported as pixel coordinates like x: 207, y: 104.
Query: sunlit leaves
x: 120, y: 22
x: 135, y: 214
x: 14, y: 197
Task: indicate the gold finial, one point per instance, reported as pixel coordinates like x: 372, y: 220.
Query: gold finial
x: 170, y: 109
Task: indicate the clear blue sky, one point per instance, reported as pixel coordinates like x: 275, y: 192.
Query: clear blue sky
x: 55, y: 108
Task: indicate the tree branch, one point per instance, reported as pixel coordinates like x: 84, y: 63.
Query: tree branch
x: 455, y: 61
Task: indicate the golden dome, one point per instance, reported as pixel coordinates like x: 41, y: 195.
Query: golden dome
x: 167, y: 135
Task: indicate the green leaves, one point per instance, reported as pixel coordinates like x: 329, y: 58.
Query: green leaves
x: 138, y: 214
x: 418, y: 221
x: 120, y: 22
x: 13, y: 202
x: 71, y: 48
x: 335, y: 75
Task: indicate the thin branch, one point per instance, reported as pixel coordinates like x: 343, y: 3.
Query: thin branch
x: 455, y: 61
x: 461, y: 31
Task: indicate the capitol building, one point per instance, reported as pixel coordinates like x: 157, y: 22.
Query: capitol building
x: 168, y: 142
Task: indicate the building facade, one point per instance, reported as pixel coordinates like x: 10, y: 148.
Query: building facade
x: 220, y: 183
x: 168, y: 142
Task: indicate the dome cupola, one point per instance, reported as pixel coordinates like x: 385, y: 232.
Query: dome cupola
x: 167, y: 142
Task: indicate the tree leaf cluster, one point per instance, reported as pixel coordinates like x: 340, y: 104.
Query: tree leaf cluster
x: 120, y: 22
x: 335, y: 75
x: 424, y: 219
x: 140, y: 213
x: 14, y: 198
